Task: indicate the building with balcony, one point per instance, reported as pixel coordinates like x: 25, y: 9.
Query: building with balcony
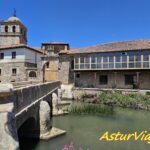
x: 113, y: 65
x: 18, y: 62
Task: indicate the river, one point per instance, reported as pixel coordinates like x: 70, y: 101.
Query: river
x: 85, y: 131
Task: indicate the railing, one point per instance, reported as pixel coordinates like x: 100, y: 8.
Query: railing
x: 112, y: 62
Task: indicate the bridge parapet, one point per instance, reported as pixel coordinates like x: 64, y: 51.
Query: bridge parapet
x: 26, y: 96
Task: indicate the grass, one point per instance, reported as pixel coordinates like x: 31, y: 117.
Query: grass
x: 86, y: 108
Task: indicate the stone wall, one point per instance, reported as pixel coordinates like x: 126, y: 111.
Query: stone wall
x: 22, y: 72
x: 90, y: 79
x: 51, y: 72
x: 9, y: 40
x: 65, y: 74
x: 79, y: 92
x: 6, y: 72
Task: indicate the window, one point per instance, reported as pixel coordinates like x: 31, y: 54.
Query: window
x: 87, y: 60
x: 14, y: 72
x: 14, y: 29
x: 6, y: 28
x: 145, y: 58
x: 77, y: 75
x: 129, y: 79
x: 93, y: 59
x: 21, y: 31
x: 47, y: 65
x: 76, y: 60
x: 72, y: 64
x: 13, y: 55
x: 105, y: 59
x: 32, y: 74
x: 124, y: 53
x: 81, y: 59
x: 1, y: 55
x: 103, y: 79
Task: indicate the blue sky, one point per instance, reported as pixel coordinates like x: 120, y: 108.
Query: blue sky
x: 81, y: 23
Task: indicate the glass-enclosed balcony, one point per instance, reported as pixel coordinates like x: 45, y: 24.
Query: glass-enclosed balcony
x: 113, y: 60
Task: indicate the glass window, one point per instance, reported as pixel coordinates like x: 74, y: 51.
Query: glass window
x: 99, y: 66
x: 105, y: 65
x: 93, y: 59
x: 13, y: 55
x: 145, y: 58
x: 138, y: 57
x: 111, y: 65
x: 131, y: 65
x: 146, y: 64
x: 77, y: 60
x: 76, y: 66
x: 93, y: 66
x: 87, y: 60
x: 81, y: 66
x: 118, y: 59
x: 1, y: 55
x: 99, y: 60
x: 124, y: 65
x: 138, y: 64
x: 103, y: 79
x: 131, y: 58
x: 105, y: 59
x: 118, y: 65
x: 111, y: 59
x: 124, y: 58
x: 87, y: 66
x: 81, y: 59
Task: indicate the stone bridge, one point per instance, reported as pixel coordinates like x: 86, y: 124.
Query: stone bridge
x: 26, y: 111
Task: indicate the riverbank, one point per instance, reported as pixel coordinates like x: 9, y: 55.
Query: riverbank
x: 135, y: 99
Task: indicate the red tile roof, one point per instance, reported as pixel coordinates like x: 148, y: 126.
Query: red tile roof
x: 114, y: 46
x: 20, y: 46
x: 56, y: 43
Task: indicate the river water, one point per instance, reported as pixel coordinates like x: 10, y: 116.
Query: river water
x: 85, y: 131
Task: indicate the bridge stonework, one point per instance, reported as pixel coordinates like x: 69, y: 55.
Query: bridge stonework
x: 30, y: 108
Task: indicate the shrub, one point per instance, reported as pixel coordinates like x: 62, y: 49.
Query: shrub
x: 131, y: 100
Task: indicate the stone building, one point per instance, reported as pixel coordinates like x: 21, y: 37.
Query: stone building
x: 58, y: 64
x: 18, y: 62
x: 124, y: 65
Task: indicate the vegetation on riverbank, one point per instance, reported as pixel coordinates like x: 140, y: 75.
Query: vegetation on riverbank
x: 106, y: 100
x: 136, y: 101
x: 86, y: 108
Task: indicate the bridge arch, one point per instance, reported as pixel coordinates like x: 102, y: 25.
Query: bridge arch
x: 29, y: 128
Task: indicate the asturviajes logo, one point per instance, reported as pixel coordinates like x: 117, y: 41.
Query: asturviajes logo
x: 118, y: 136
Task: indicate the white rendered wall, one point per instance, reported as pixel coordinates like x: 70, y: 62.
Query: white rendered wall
x: 22, y: 55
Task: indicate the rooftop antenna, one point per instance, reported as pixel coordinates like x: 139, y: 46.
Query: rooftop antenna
x: 14, y: 14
